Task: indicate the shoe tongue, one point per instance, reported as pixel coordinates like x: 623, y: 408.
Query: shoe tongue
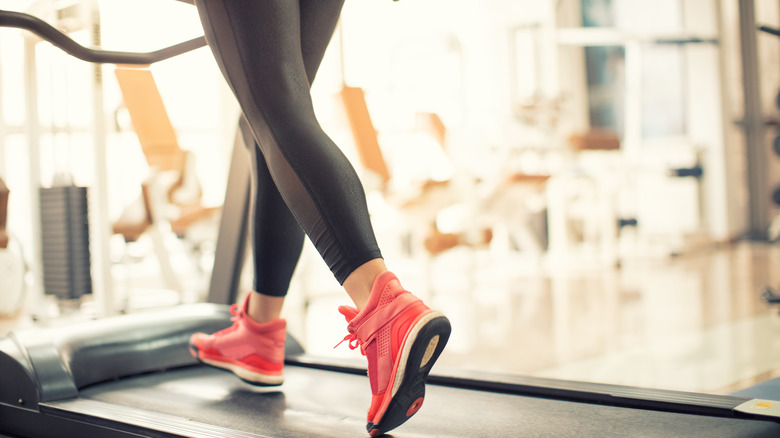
x: 348, y: 312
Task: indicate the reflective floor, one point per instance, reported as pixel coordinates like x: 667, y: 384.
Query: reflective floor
x: 694, y: 322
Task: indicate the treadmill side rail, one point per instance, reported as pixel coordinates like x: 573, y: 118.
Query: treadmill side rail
x: 762, y: 408
x: 18, y: 388
x: 60, y: 361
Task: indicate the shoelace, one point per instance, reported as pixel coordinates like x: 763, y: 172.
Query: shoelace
x: 350, y: 313
x: 235, y: 312
x: 353, y: 343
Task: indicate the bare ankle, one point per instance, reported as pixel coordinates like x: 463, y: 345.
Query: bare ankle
x: 358, y: 284
x: 264, y: 308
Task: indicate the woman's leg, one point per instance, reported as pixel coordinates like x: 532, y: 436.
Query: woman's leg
x: 259, y: 48
x: 277, y: 238
x: 276, y: 246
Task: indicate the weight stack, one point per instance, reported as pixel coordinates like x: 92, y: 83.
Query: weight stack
x: 65, y: 242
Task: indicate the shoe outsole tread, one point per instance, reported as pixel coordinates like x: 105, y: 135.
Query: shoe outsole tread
x: 410, y: 393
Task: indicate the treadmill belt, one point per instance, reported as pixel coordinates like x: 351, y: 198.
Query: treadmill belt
x: 318, y: 403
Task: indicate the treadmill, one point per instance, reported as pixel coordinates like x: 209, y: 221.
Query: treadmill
x: 132, y: 375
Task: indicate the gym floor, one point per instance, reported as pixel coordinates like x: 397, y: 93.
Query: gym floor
x: 694, y: 322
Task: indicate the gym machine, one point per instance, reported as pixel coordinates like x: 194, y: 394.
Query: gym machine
x: 132, y: 375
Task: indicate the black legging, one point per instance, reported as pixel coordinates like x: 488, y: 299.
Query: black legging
x: 269, y: 52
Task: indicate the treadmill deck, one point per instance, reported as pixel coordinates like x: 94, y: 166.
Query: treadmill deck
x: 322, y: 403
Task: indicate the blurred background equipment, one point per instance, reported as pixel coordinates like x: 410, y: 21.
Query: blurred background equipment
x: 12, y: 267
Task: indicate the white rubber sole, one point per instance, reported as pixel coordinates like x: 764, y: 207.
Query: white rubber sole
x: 246, y: 375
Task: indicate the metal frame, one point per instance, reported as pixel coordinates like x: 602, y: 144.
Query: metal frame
x: 753, y: 126
x: 51, y: 34
x: 234, y: 223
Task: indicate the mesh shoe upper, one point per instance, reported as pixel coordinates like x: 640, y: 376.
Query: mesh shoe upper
x: 247, y: 344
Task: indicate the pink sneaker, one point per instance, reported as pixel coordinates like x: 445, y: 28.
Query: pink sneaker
x: 252, y: 351
x: 401, y: 338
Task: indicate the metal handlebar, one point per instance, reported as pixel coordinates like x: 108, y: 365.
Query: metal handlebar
x: 769, y: 30
x: 99, y: 56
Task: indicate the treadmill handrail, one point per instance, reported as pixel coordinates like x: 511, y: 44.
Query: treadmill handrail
x: 99, y: 56
x: 769, y: 30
